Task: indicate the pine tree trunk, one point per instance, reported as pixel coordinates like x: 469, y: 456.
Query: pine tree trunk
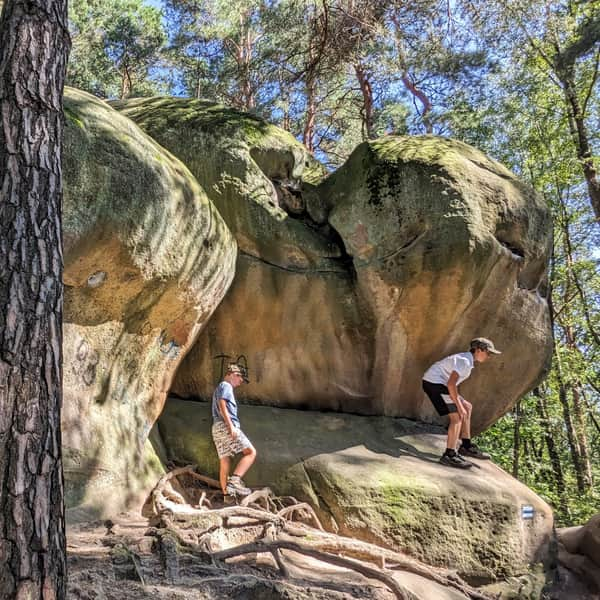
x: 34, y: 45
x: 366, y: 90
x: 581, y: 137
x: 308, y: 135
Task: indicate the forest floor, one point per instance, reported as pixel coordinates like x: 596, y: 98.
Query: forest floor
x: 94, y: 575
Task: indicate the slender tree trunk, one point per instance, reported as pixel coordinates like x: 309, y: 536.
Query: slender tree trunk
x: 516, y: 440
x: 125, y: 83
x: 368, y: 124
x: 583, y: 465
x: 308, y: 135
x: 572, y: 271
x: 198, y: 82
x: 241, y: 51
x: 557, y: 470
x: 34, y: 46
x: 580, y: 137
x: 571, y: 434
x: 590, y: 409
x: 584, y: 450
x: 574, y: 420
x: 406, y: 80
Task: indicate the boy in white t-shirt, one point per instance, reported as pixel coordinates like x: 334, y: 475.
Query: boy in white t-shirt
x: 440, y: 383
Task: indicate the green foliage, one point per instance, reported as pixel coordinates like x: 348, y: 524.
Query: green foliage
x: 115, y: 43
x: 523, y: 117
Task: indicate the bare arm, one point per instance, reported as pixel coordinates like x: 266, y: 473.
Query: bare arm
x: 453, y: 391
x: 225, y: 414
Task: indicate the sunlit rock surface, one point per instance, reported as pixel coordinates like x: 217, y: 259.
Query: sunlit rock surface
x: 379, y: 479
x: 579, y: 552
x: 348, y: 291
x: 147, y: 260
x: 447, y: 245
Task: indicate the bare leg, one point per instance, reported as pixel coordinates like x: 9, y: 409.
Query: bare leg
x: 453, y: 430
x: 224, y: 466
x: 245, y: 462
x: 465, y: 430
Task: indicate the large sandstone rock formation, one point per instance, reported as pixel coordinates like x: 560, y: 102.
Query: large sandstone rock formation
x: 379, y: 479
x: 147, y: 260
x: 346, y: 290
x: 447, y: 245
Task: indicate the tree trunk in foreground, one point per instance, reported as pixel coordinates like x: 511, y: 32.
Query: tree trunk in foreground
x: 34, y: 46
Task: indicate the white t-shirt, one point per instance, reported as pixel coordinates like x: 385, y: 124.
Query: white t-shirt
x: 440, y: 371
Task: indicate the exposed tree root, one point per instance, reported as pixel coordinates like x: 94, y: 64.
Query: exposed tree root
x: 303, y: 509
x: 269, y: 525
x: 348, y: 563
x: 383, y: 557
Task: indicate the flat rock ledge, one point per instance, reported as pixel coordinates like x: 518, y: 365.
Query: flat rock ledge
x: 378, y: 479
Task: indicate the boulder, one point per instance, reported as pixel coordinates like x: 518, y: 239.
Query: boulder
x: 292, y: 309
x: 579, y: 551
x: 252, y: 171
x: 348, y: 288
x: 447, y: 245
x: 379, y: 479
x: 147, y: 260
x: 590, y: 540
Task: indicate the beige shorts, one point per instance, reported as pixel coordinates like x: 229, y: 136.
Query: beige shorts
x: 225, y: 444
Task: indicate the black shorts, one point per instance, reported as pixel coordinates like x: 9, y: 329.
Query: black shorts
x: 440, y: 397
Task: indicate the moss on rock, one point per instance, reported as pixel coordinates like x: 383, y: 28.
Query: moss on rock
x: 379, y: 479
x: 246, y: 165
x: 147, y: 260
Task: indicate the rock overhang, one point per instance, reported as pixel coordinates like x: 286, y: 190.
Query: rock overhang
x: 435, y: 244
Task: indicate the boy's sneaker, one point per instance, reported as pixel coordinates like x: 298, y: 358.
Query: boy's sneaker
x: 236, y: 487
x: 473, y: 451
x: 453, y: 460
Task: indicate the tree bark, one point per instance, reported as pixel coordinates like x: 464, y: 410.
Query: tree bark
x: 581, y: 138
x: 367, y: 108
x: 574, y: 419
x: 34, y: 45
x: 571, y: 433
x: 583, y: 464
x: 516, y: 441
x: 308, y: 135
x: 584, y: 450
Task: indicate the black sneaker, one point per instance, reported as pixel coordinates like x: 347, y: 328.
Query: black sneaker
x: 455, y: 461
x: 473, y: 451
